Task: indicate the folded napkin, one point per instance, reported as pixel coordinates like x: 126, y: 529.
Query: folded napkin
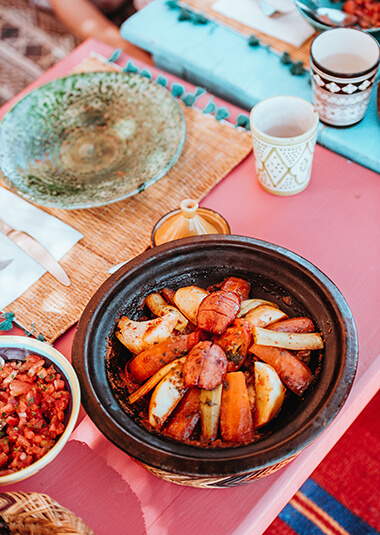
x: 18, y: 271
x: 289, y: 27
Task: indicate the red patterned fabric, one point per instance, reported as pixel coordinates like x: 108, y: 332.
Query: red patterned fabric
x: 348, y: 479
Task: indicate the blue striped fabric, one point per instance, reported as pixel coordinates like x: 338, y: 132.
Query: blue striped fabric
x: 353, y: 524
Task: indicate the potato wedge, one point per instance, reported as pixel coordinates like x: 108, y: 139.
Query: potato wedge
x: 264, y: 315
x: 166, y: 396
x: 251, y: 304
x: 297, y: 341
x: 139, y: 335
x: 157, y: 304
x: 188, y: 299
x: 154, y: 380
x: 210, y: 412
x: 270, y: 393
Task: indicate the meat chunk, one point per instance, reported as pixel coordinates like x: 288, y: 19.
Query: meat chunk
x: 235, y: 342
x: 238, y: 286
x: 293, y: 372
x: 205, y: 366
x: 293, y: 325
x: 217, y: 311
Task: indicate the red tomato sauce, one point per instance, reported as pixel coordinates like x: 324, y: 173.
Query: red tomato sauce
x: 33, y: 399
x: 367, y: 11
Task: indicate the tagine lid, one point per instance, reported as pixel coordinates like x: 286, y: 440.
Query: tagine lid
x: 189, y: 220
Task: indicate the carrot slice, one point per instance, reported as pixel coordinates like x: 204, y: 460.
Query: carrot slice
x: 186, y: 416
x: 148, y: 362
x: 236, y: 423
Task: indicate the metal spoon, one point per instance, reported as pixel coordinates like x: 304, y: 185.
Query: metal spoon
x: 329, y: 16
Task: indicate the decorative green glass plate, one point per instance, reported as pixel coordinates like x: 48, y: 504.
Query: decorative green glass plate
x: 90, y: 139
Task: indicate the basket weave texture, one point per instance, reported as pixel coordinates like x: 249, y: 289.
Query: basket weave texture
x: 37, y: 514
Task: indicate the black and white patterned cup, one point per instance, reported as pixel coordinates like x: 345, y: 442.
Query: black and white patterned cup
x: 344, y: 64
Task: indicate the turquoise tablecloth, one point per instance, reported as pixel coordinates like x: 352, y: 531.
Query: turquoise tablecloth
x: 220, y: 59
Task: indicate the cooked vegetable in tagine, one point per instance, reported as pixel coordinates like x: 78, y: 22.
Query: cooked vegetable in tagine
x: 211, y: 367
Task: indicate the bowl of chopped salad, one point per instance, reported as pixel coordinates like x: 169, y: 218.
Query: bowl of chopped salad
x: 366, y: 11
x: 39, y: 406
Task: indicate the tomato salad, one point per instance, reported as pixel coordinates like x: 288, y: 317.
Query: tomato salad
x: 33, y: 399
x: 367, y: 11
x: 210, y: 367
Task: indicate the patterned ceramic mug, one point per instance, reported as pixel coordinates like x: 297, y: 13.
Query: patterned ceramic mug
x: 284, y: 131
x: 344, y: 64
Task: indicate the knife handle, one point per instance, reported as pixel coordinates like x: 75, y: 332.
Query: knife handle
x: 6, y: 229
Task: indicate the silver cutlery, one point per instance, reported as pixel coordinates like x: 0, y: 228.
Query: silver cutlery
x: 333, y: 17
x: 5, y: 263
x: 37, y: 251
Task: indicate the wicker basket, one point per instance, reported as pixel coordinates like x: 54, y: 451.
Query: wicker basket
x: 36, y: 514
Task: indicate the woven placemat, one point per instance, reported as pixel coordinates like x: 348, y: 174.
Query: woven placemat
x: 119, y: 231
x: 297, y: 53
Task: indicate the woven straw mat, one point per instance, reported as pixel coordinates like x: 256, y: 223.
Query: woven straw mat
x: 122, y: 230
x: 38, y: 514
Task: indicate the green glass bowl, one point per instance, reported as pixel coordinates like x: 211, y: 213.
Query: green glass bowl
x: 90, y: 139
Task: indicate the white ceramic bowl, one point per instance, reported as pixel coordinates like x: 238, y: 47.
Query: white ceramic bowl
x: 17, y: 345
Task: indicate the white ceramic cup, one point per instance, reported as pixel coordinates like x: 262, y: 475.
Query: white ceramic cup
x: 344, y: 63
x: 284, y: 132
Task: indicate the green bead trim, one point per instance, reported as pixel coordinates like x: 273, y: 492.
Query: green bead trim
x: 243, y: 121
x: 200, y: 91
x: 210, y: 107
x: 286, y: 59
x: 296, y: 67
x: 184, y: 14
x: 200, y: 18
x: 7, y: 323
x: 114, y: 56
x: 130, y: 67
x: 187, y: 14
x: 177, y: 90
x: 39, y: 337
x: 162, y: 80
x: 253, y: 41
x: 146, y: 74
x: 222, y: 113
x: 189, y: 99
